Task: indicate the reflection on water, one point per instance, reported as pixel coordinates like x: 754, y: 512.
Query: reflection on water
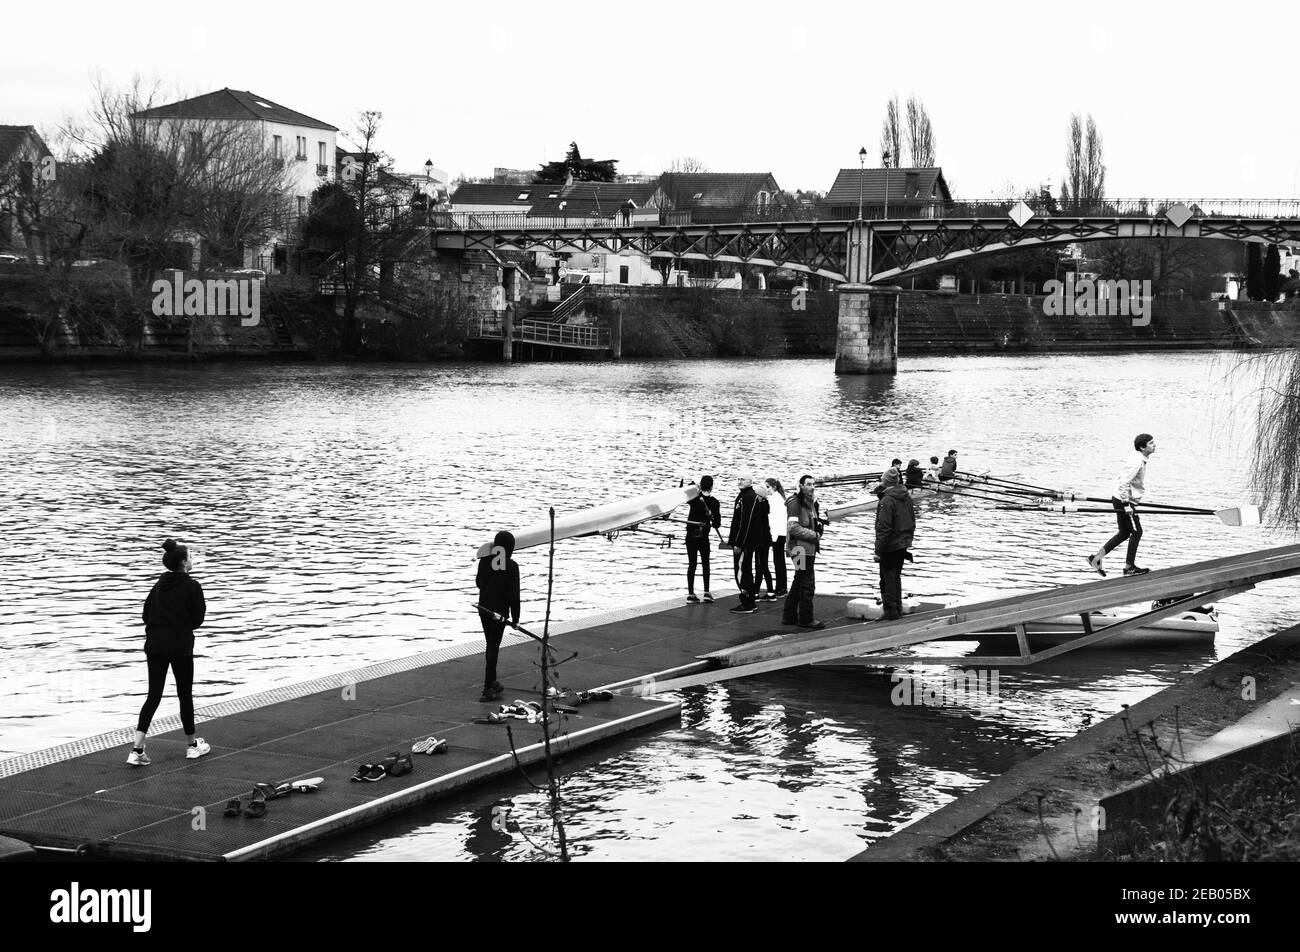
x: 333, y: 511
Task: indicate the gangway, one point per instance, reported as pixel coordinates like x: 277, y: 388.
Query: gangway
x: 1175, y: 589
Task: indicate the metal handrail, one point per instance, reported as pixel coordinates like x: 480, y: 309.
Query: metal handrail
x: 900, y: 210
x: 544, y: 332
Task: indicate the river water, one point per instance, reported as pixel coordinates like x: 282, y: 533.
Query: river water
x: 332, y: 511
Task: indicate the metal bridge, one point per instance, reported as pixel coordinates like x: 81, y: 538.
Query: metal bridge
x: 881, y: 250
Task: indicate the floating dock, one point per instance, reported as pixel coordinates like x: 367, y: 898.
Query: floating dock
x: 83, y: 799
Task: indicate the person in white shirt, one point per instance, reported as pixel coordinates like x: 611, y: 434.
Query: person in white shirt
x: 1131, y: 485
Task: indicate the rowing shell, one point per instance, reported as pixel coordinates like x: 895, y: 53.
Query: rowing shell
x: 869, y: 503
x: 610, y: 517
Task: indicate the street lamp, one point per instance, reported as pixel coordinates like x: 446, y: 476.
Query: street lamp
x: 884, y: 157
x: 862, y: 173
x: 428, y: 168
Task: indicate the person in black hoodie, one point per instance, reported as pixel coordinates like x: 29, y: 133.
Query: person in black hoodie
x: 703, y: 514
x: 498, y: 591
x: 914, y: 478
x: 895, y: 527
x: 174, y: 608
x: 743, y: 539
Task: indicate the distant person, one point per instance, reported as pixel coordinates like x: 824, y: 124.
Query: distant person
x: 763, y: 543
x: 743, y: 539
x: 1131, y: 485
x: 498, y: 592
x: 625, y: 210
x: 915, y: 476
x: 895, y: 462
x: 703, y: 514
x: 776, y: 526
x: 803, y: 531
x: 174, y: 609
x: 895, y: 526
x: 949, y: 468
x: 932, y: 471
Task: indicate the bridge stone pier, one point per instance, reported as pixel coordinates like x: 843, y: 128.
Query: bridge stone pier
x: 867, y: 341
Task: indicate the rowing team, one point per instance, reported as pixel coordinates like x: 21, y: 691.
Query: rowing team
x: 914, y: 476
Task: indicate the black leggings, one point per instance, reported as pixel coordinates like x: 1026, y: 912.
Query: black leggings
x: 778, y: 562
x: 183, y: 671
x: 1130, y: 527
x: 697, y: 548
x: 493, y: 631
x: 762, y: 574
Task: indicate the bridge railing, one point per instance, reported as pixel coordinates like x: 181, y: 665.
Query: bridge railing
x: 1256, y: 208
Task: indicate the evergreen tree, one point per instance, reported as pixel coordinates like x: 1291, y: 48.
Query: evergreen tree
x: 582, y: 170
x: 1254, y: 272
x: 1272, y: 280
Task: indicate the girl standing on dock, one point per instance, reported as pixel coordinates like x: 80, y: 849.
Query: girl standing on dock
x: 498, y: 591
x: 776, y: 525
x: 174, y: 608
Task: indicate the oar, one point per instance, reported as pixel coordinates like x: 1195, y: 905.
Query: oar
x: 1012, y: 485
x: 1234, y: 516
x: 502, y: 618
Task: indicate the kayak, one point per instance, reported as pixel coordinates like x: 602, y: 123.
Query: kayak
x: 610, y: 517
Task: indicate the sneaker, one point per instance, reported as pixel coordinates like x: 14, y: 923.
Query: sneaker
x: 1094, y: 563
x: 1134, y: 570
x: 782, y: 593
x: 708, y: 599
x: 692, y: 599
x: 138, y: 758
x: 197, y: 749
x: 744, y: 609
x: 769, y: 597
x: 430, y: 745
x: 813, y: 625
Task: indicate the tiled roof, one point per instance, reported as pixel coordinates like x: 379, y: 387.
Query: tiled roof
x: 927, y: 184
x: 584, y: 199
x: 687, y: 190
x: 13, y: 137
x: 491, y: 193
x: 232, y: 104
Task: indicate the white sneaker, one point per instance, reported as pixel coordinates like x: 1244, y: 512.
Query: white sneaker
x: 197, y: 749
x: 138, y: 760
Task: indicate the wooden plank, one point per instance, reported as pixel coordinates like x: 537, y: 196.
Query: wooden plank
x: 1179, y: 582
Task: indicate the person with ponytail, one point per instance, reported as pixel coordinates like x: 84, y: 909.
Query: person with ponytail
x: 174, y: 608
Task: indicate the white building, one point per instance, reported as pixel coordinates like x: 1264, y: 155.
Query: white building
x: 305, y: 145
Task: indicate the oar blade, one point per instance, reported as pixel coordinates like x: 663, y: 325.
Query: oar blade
x: 1239, y: 516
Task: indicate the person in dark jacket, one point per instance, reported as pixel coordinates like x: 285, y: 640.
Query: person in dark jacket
x: 915, y: 476
x: 743, y: 539
x: 703, y: 514
x: 895, y: 527
x: 174, y: 608
x: 498, y: 591
x: 949, y: 468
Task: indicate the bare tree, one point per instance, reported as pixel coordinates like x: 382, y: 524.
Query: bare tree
x: 687, y: 163
x: 1277, y: 437
x: 1084, y: 185
x: 891, y: 136
x: 920, y: 135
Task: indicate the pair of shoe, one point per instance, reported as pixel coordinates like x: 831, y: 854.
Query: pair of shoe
x: 394, y: 765
x: 256, y: 806
x: 430, y: 745
x: 492, y: 692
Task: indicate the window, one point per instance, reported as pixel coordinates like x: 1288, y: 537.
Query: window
x: 302, y: 148
x: 913, y: 185
x: 523, y: 196
x: 320, y: 153
x: 762, y: 198
x: 277, y: 147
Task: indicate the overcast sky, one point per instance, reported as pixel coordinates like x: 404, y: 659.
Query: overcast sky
x: 794, y: 88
